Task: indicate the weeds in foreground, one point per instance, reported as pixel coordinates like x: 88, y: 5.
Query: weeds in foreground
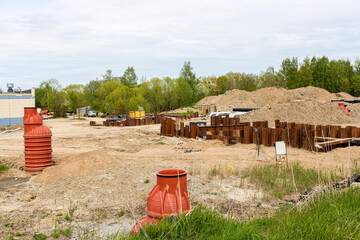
x: 281, y: 181
x: 67, y: 232
x: 323, y: 218
x: 355, y: 166
x: 39, y: 236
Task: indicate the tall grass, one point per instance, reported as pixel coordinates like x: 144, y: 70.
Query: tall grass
x: 281, y: 181
x: 332, y: 215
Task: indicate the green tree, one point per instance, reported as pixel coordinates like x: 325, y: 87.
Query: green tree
x: 104, y: 91
x: 156, y: 94
x: 89, y: 94
x: 201, y: 90
x: 357, y: 66
x: 289, y: 72
x: 169, y: 88
x: 46, y: 91
x: 129, y: 78
x: 183, y: 93
x: 321, y: 72
x: 355, y: 86
x: 121, y: 100
x: 247, y: 82
x: 344, y: 85
x: 74, y: 96
x: 305, y: 74
x: 108, y: 76
x: 50, y: 96
x: 188, y: 75
x: 269, y: 78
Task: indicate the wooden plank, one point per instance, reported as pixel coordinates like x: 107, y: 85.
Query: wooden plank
x: 343, y: 133
x: 172, y: 127
x: 333, y: 131
x: 192, y: 131
x: 354, y: 132
x: 284, y: 135
x: 182, y: 129
x: 212, y: 121
x: 348, y: 130
x: 247, y: 134
x: 334, y: 142
x: 272, y: 137
x: 264, y: 136
x: 295, y: 137
x: 278, y: 134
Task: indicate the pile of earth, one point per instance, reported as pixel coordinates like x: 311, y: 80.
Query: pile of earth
x: 268, y: 96
x: 316, y: 113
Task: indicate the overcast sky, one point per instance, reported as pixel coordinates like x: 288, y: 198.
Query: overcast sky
x: 75, y: 41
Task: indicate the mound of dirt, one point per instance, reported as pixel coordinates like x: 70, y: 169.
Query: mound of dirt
x: 265, y: 97
x: 77, y: 165
x: 303, y: 112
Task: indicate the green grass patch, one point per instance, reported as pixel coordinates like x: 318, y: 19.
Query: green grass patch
x: 332, y: 215
x: 3, y: 168
x: 281, y: 180
x: 184, y: 113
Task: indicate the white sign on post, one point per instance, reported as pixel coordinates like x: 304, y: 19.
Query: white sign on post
x: 280, y: 148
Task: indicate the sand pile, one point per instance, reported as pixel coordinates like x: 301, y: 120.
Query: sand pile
x: 304, y: 112
x: 77, y: 165
x: 268, y: 96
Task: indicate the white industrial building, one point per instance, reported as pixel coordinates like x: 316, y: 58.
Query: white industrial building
x: 12, y: 104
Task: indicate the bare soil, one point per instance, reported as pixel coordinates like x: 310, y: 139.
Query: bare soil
x: 303, y: 105
x: 97, y: 168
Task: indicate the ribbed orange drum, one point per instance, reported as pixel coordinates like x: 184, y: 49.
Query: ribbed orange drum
x: 169, y: 197
x: 38, y: 151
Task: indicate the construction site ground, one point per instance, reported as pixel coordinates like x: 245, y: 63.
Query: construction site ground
x: 99, y: 168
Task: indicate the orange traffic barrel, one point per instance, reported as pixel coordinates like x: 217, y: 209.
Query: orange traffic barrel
x: 170, y: 196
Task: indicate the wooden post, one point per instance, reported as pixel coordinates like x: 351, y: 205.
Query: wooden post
x: 277, y: 123
x: 212, y: 121
x: 192, y: 131
x: 272, y: 136
x: 172, y: 127
x: 186, y: 133
x: 278, y: 134
x: 343, y: 133
x: 168, y: 126
x: 348, y: 131
x: 265, y: 136
x: 247, y: 134
x: 318, y: 131
x: 284, y: 135
x: 182, y: 129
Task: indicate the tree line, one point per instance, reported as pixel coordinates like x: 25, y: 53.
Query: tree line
x: 120, y: 94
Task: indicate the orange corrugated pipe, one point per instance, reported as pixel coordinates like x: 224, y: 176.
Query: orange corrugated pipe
x: 168, y: 198
x: 37, y: 142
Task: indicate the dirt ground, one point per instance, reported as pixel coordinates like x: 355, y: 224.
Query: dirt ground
x: 98, y: 168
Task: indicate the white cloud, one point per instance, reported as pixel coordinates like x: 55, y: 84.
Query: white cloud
x: 77, y: 40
